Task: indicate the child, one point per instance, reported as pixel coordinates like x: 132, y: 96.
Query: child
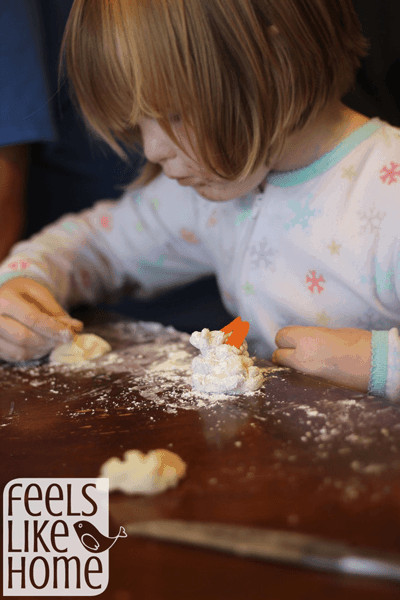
x: 256, y: 172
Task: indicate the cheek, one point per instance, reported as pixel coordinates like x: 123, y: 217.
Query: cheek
x: 196, y: 168
x: 186, y: 163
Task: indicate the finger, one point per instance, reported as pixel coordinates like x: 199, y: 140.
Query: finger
x: 289, y: 357
x: 40, y: 295
x: 47, y: 304
x: 289, y: 337
x: 74, y: 323
x: 14, y: 353
x: 36, y: 317
x: 286, y: 337
x: 284, y: 357
x: 17, y: 333
x: 30, y: 316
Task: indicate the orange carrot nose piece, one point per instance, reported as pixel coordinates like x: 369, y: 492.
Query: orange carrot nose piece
x: 238, y: 330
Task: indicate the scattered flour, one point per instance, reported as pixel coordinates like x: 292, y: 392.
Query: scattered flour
x: 149, y: 373
x: 176, y: 361
x: 222, y: 368
x: 371, y: 469
x: 140, y: 473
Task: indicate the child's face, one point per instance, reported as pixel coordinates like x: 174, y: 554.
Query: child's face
x: 186, y: 169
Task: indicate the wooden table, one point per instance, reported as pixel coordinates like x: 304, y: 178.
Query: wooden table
x: 301, y: 456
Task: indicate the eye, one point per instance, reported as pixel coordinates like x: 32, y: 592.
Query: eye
x: 80, y: 525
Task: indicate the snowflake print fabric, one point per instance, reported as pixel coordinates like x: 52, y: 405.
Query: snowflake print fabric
x: 391, y: 174
x: 319, y: 246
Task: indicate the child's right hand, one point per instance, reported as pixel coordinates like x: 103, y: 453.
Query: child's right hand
x: 31, y: 321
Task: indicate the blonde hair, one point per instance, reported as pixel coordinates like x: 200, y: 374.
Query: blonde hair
x: 243, y: 74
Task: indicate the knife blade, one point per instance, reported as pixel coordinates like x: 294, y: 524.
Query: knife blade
x: 287, y: 547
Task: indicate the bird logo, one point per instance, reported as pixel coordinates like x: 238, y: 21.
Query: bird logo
x: 94, y: 541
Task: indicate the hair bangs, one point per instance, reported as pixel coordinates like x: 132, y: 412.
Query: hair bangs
x: 121, y: 73
x: 241, y: 74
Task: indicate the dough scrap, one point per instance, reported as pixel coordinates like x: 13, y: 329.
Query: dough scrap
x: 222, y: 368
x: 86, y: 346
x: 140, y: 473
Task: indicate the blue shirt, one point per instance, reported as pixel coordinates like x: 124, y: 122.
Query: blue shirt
x: 69, y: 170
x: 24, y: 106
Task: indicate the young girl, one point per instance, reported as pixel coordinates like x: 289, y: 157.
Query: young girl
x: 256, y: 171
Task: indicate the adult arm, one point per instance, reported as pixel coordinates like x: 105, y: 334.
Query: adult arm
x: 13, y: 175
x: 25, y: 115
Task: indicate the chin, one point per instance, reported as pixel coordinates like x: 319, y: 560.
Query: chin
x: 212, y: 196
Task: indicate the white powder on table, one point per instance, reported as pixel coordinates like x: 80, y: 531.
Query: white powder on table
x: 223, y: 368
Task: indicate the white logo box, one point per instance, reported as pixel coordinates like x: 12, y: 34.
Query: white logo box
x: 43, y: 554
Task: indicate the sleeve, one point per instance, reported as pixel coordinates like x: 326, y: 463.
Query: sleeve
x: 142, y: 244
x: 25, y: 114
x: 392, y: 388
x: 385, y: 261
x: 385, y: 345
x: 379, y: 363
x: 385, y: 364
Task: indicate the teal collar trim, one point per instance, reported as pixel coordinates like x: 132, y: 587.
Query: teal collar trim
x: 327, y: 161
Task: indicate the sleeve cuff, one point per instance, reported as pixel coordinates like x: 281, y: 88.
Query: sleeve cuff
x: 379, y: 362
x: 4, y: 277
x: 7, y: 276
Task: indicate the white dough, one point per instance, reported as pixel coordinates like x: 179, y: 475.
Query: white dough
x: 86, y: 346
x: 140, y: 473
x: 222, y: 368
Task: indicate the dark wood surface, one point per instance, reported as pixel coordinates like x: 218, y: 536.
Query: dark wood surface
x: 301, y: 456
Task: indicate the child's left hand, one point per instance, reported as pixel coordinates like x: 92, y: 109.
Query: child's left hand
x: 342, y: 356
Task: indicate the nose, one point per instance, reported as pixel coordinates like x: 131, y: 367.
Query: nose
x: 157, y: 146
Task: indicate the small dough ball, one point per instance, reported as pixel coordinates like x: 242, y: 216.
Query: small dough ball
x: 86, y: 346
x: 140, y: 473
